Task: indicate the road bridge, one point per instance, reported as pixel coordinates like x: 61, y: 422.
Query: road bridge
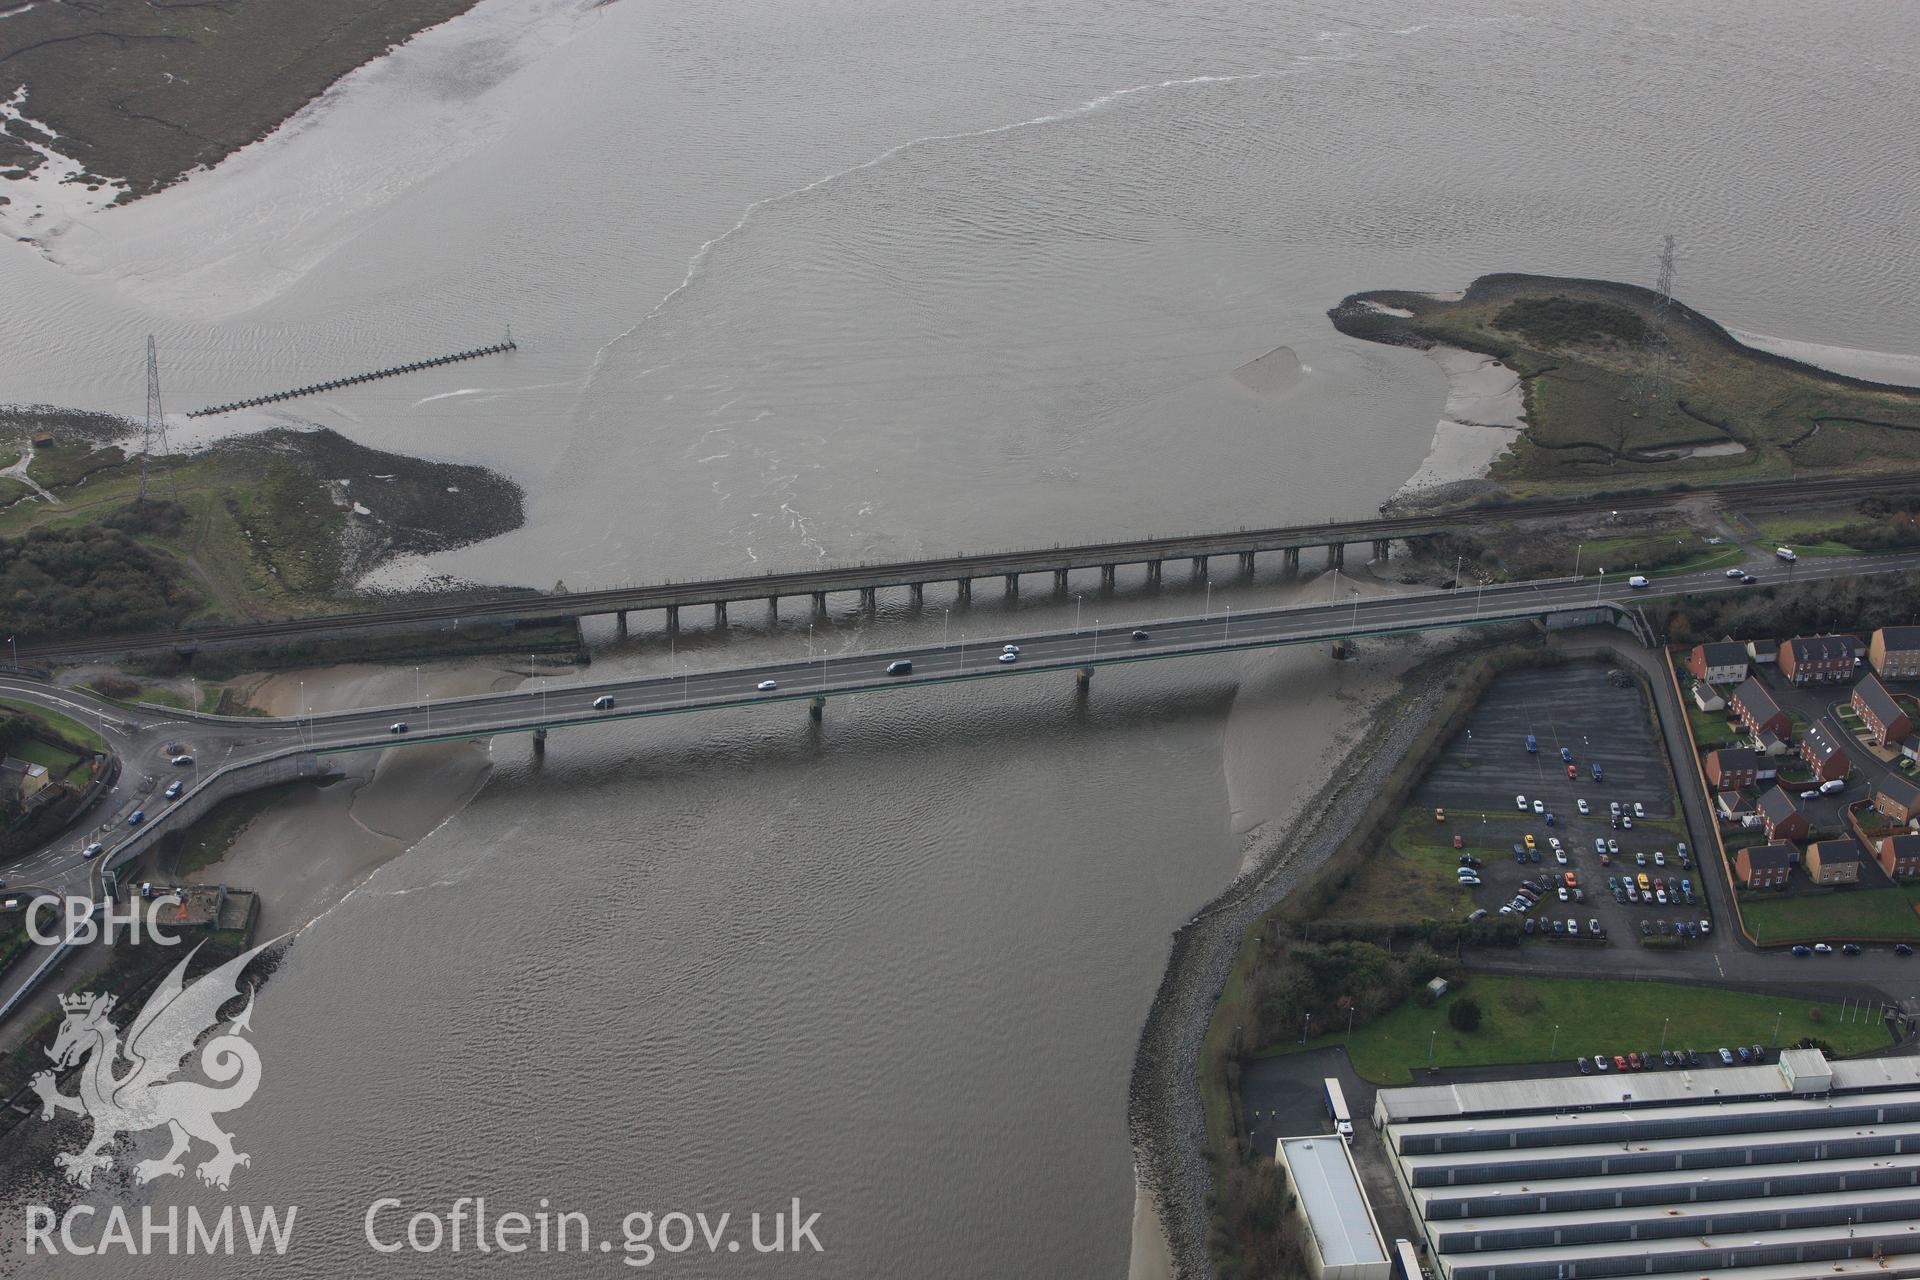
x: 1197, y: 552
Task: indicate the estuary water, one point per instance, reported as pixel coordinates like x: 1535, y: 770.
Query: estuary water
x: 831, y: 280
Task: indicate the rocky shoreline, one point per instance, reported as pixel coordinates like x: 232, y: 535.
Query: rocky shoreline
x: 1164, y: 1116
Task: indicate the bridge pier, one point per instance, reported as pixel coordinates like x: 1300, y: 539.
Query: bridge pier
x: 1290, y: 561
x: 1013, y: 584
x: 819, y: 604
x: 719, y: 613
x: 673, y: 619
x: 1246, y: 563
x: 773, y: 607
x: 1337, y: 555
x: 867, y: 599
x: 1153, y: 572
x: 1059, y: 582
x: 816, y: 707
x: 919, y: 590
x: 1106, y: 577
x: 1083, y: 678
x: 540, y: 742
x: 1199, y: 568
x: 1382, y: 548
x: 621, y: 617
x: 966, y: 590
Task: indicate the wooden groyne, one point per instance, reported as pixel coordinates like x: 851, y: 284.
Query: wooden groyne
x: 395, y: 371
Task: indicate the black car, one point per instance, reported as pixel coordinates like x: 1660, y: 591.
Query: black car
x: 1902, y: 949
x: 1693, y: 1059
x: 1748, y: 579
x: 1850, y: 949
x: 1586, y: 1068
x: 1468, y: 860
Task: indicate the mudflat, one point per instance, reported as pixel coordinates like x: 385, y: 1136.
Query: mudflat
x: 141, y: 94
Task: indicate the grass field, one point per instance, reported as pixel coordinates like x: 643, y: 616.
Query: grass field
x: 1519, y: 1017
x: 1618, y: 391
x: 1845, y: 914
x: 65, y: 728
x: 1412, y: 878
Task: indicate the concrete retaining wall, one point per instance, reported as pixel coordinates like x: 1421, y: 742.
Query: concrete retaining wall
x: 223, y: 784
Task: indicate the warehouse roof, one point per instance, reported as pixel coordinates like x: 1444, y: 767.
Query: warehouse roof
x: 1336, y: 1209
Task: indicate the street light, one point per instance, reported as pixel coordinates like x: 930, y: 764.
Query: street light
x: 1431, y: 1037
x: 1076, y: 615
x: 1576, y: 558
x: 16, y: 654
x: 1776, y: 1026
x: 1555, y: 1050
x: 416, y: 686
x: 1664, y: 1022
x: 1598, y: 583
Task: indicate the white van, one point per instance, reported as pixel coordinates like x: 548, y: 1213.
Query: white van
x: 1638, y: 581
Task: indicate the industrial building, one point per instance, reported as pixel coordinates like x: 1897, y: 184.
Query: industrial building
x: 1800, y: 1167
x: 1342, y: 1238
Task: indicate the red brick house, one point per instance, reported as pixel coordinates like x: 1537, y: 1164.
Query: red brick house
x: 1823, y: 754
x: 1764, y: 866
x: 1895, y: 652
x: 1819, y: 659
x: 1898, y: 855
x: 1887, y: 719
x: 1781, y: 817
x: 1757, y: 712
x: 1897, y: 799
x: 1835, y: 861
x: 1731, y: 768
x: 1720, y: 662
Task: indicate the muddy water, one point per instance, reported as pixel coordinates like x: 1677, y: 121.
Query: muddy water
x: 868, y: 280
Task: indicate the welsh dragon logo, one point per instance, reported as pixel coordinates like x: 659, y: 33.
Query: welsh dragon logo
x: 146, y: 1095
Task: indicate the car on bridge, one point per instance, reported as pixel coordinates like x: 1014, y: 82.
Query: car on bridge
x: 1009, y: 657
x: 398, y: 726
x: 603, y: 703
x: 903, y: 667
x: 173, y: 790
x: 767, y: 686
x: 1140, y: 635
x: 139, y: 816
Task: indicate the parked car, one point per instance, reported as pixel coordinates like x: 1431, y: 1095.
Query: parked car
x: 1645, y: 928
x: 1639, y: 810
x: 1821, y: 949
x: 1459, y: 842
x: 1599, y: 774
x: 1533, y: 744
x: 1602, y: 1063
x: 1520, y: 803
x: 1659, y: 858
x: 1549, y: 819
x: 1726, y: 1056
x: 1586, y: 1068
x: 1471, y: 882
x: 182, y: 760
x: 1526, y: 926
x: 1633, y: 1061
x: 1759, y: 1054
x: 1559, y: 928
x: 1745, y: 1056
x: 1599, y: 845
x: 1593, y: 927
x: 1640, y: 858
x: 1468, y: 860
x: 1850, y: 949
x: 1803, y: 951
x: 1706, y: 927
x: 1619, y: 1063
x: 1480, y: 914
x: 1583, y: 807
x: 1539, y: 806
x: 1613, y: 807
x: 1902, y: 949
x: 1572, y: 772
x: 1563, y: 893
x: 1626, y: 821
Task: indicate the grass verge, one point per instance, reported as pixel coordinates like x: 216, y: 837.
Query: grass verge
x: 1530, y: 1019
